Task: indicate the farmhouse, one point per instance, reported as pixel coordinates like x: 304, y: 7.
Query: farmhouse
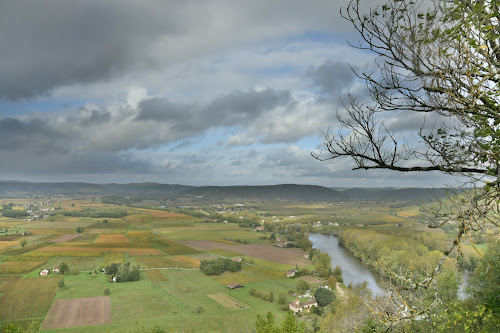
x: 55, y: 270
x: 45, y: 272
x: 291, y: 273
x: 234, y: 285
x: 298, y: 307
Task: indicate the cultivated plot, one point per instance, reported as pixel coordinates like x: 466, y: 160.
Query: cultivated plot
x: 228, y: 302
x: 79, y: 312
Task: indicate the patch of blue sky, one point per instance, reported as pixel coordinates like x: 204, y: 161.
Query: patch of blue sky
x: 47, y: 105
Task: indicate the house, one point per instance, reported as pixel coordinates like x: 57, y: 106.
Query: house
x: 291, y: 272
x: 55, y: 270
x: 308, y: 304
x: 306, y: 256
x: 45, y: 272
x: 261, y: 228
x: 281, y: 244
x: 237, y: 259
x: 325, y: 286
x: 234, y: 285
x: 298, y: 307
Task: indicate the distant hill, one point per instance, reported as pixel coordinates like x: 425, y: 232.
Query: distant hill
x: 396, y: 194
x: 290, y: 192
x: 17, y: 188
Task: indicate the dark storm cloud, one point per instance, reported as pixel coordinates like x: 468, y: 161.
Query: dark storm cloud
x: 238, y: 108
x: 331, y: 77
x: 30, y: 136
x: 51, y: 44
x: 47, y: 44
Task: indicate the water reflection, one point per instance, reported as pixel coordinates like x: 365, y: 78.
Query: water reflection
x: 353, y: 270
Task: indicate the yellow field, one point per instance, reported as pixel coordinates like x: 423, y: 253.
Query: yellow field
x: 19, y: 267
x: 112, y: 239
x: 6, y: 244
x: 112, y: 258
x: 264, y: 272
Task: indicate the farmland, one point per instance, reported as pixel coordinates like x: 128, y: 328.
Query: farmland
x: 167, y: 245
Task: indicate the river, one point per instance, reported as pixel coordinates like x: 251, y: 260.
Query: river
x: 353, y: 270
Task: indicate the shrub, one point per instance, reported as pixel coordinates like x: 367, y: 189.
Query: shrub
x: 107, y: 291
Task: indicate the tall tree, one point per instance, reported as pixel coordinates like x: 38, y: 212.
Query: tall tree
x: 440, y: 58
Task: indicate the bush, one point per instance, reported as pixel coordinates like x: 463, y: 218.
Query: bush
x: 324, y: 296
x: 61, y: 284
x: 107, y: 291
x: 64, y: 268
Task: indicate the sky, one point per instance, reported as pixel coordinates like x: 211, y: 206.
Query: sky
x: 181, y: 92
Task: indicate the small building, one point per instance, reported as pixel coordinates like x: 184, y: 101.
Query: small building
x: 55, y: 270
x: 308, y: 304
x: 45, y: 272
x: 237, y: 259
x: 234, y: 285
x: 298, y: 307
x: 281, y: 244
x: 306, y: 256
x: 291, y: 272
x: 261, y: 228
x: 325, y: 286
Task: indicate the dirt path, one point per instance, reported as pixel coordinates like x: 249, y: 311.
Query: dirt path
x: 340, y: 291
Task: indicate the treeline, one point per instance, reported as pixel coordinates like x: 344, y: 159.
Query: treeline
x: 219, y: 266
x: 391, y: 253
x: 14, y: 213
x: 97, y: 212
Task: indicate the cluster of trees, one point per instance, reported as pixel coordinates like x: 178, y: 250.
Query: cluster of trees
x: 391, y: 254
x: 7, y: 211
x: 289, y: 325
x: 124, y: 273
x: 296, y: 234
x: 97, y: 212
x: 219, y: 266
x: 262, y: 295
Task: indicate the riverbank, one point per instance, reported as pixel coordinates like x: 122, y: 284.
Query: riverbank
x: 353, y: 270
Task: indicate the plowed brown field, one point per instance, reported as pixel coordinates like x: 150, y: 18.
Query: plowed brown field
x: 290, y: 256
x: 79, y: 312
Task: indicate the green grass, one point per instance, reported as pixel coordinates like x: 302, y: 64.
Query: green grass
x: 171, y: 304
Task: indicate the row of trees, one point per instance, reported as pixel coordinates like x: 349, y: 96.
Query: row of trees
x: 97, y: 212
